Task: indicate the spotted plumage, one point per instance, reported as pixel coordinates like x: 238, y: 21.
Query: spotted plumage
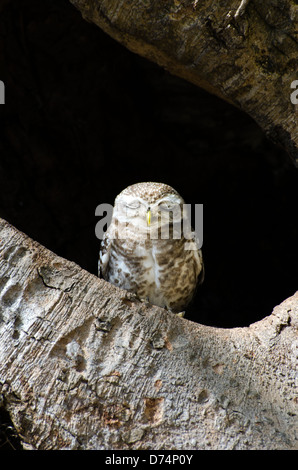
x: 146, y: 250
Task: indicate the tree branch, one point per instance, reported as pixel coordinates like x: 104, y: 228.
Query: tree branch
x: 84, y: 365
x: 248, y: 58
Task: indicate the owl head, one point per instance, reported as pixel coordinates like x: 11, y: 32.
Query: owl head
x: 149, y: 207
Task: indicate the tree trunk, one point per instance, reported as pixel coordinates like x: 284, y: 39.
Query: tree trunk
x: 84, y: 365
x: 243, y: 51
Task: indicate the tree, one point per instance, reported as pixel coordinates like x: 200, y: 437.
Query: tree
x: 243, y: 51
x: 85, y: 365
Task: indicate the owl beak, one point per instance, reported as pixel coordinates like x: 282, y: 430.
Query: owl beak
x: 148, y: 216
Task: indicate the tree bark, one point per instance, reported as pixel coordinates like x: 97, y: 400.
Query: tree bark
x: 84, y: 365
x: 243, y: 51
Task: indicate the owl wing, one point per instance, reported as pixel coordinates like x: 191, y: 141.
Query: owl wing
x: 201, y: 274
x: 104, y: 255
x: 198, y: 259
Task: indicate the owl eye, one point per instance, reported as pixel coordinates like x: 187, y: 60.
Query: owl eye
x: 166, y: 206
x: 133, y: 205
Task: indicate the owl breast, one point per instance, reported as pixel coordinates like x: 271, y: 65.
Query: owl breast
x: 160, y: 271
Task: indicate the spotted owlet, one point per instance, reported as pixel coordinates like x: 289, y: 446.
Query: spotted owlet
x: 145, y: 250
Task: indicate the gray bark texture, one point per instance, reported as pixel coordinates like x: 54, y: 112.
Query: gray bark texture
x: 243, y: 51
x: 85, y: 365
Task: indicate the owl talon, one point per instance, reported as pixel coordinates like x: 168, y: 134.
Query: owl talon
x: 145, y: 300
x: 180, y: 314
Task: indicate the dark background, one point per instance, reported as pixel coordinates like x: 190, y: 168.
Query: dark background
x: 84, y: 118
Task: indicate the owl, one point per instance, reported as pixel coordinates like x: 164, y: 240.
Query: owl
x: 148, y: 251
